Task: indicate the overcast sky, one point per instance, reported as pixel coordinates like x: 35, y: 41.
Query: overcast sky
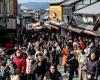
x: 24, y: 1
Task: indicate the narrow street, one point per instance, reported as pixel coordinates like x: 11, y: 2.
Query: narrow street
x: 49, y: 39
x: 64, y: 77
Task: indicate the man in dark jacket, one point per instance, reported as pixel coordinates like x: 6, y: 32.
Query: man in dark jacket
x: 39, y: 68
x: 92, y: 67
x: 72, y: 64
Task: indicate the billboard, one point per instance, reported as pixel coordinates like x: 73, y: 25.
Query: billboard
x: 55, y: 13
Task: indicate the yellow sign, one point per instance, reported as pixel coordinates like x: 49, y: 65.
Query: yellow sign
x: 55, y: 13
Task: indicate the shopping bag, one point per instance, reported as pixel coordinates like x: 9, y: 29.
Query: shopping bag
x: 15, y: 77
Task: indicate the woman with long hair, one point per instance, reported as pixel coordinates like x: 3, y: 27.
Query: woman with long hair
x: 53, y: 74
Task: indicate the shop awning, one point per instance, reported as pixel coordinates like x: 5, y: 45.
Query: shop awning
x: 90, y: 33
x: 93, y: 9
x: 65, y: 26
x: 49, y: 27
x: 75, y: 29
x: 56, y: 22
x: 86, y: 26
x: 55, y: 27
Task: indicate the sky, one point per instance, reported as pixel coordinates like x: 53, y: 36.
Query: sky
x: 25, y: 1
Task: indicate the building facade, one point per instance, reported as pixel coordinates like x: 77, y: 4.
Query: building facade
x: 8, y: 13
x: 88, y: 19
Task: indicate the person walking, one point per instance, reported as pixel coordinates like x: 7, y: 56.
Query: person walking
x: 39, y: 68
x: 92, y: 67
x: 64, y: 56
x: 19, y: 60
x: 72, y: 64
x: 29, y: 61
x: 82, y: 59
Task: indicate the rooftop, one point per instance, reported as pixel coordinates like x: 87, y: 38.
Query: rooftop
x: 55, y: 1
x: 70, y: 2
x: 93, y: 9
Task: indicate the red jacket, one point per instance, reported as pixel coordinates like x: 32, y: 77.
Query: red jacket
x: 20, y: 63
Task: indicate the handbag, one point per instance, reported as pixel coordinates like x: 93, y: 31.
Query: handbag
x: 14, y: 77
x: 89, y: 76
x: 83, y: 68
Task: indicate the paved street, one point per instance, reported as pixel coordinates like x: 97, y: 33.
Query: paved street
x: 65, y: 77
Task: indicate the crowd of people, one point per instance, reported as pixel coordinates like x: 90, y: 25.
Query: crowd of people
x: 40, y: 58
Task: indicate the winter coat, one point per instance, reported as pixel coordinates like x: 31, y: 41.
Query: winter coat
x: 82, y: 59
x: 64, y: 54
x: 38, y: 72
x: 72, y: 62
x: 92, y: 67
x: 97, y: 51
x: 28, y: 65
x: 20, y: 63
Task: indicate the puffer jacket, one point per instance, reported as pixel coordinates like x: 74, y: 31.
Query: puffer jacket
x: 92, y: 67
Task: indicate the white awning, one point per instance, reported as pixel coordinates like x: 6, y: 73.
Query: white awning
x: 93, y: 9
x: 86, y: 26
x: 55, y: 27
x: 56, y: 22
x: 90, y: 33
x: 75, y: 29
